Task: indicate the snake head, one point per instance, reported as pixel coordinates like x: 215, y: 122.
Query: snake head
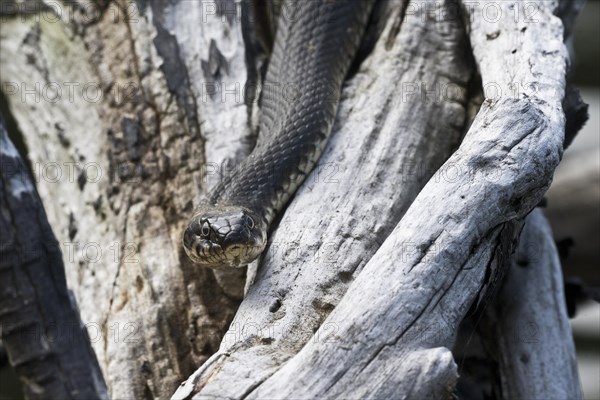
x: 225, y: 236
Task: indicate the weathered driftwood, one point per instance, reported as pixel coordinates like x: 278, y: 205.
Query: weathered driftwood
x: 502, y: 350
x: 40, y: 327
x: 528, y: 318
x: 391, y: 331
x: 370, y: 270
x: 389, y: 138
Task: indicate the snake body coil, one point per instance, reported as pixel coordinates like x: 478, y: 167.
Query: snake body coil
x: 312, y: 53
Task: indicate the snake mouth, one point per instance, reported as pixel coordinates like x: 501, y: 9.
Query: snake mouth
x: 220, y: 237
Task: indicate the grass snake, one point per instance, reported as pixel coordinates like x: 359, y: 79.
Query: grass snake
x: 313, y: 50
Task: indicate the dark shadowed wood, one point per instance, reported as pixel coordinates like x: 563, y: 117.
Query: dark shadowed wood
x: 46, y: 342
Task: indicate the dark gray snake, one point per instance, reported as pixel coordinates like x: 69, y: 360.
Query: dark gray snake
x: 312, y: 54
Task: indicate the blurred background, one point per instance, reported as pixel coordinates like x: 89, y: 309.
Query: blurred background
x: 574, y: 199
x: 573, y: 206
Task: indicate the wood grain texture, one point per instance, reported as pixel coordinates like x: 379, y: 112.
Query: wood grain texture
x: 529, y: 317
x: 415, y: 289
x: 119, y: 160
x: 408, y: 219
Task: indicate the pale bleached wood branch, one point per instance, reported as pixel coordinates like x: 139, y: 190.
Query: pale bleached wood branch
x: 402, y: 311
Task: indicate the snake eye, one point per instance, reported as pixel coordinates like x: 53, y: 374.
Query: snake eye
x: 205, y: 230
x: 249, y: 222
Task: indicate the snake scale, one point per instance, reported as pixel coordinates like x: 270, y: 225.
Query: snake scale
x: 313, y: 51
